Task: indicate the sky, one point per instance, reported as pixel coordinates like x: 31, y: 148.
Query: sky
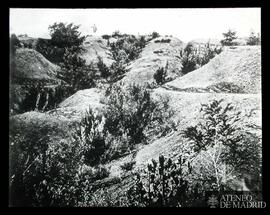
x: 185, y: 24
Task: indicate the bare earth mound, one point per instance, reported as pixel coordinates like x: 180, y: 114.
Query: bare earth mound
x: 156, y: 54
x: 236, y: 70
x: 96, y: 46
x: 32, y: 65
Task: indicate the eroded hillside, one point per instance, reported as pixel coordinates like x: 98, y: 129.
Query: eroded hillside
x: 234, y: 76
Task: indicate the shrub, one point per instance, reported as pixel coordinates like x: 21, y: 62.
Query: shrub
x: 192, y: 58
x: 229, y: 38
x: 106, y: 36
x: 118, y: 71
x: 48, y: 174
x: 127, y: 48
x: 154, y: 35
x: 160, y: 76
x: 163, y: 41
x: 129, y: 118
x: 128, y: 166
x: 163, y: 184
x: 75, y: 73
x: 90, y: 135
x: 133, y: 111
x: 227, y: 149
x: 253, y: 39
x: 104, y: 70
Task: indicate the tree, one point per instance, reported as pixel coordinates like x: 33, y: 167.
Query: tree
x: 75, y: 73
x: 253, y: 39
x: 66, y: 35
x: 229, y: 37
x: 63, y: 37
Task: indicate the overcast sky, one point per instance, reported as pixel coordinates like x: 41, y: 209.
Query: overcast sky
x: 186, y: 24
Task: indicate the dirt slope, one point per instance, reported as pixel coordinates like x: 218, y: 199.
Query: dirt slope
x: 96, y: 46
x: 234, y: 70
x: 31, y: 65
x: 154, y: 55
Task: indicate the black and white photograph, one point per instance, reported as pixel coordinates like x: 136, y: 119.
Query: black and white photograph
x: 138, y: 107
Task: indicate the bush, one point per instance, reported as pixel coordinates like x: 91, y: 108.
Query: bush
x: 103, y: 69
x: 127, y: 48
x: 128, y: 166
x: 133, y: 111
x: 163, y: 184
x: 163, y: 41
x: 130, y: 117
x: 160, y: 76
x: 48, y: 174
x: 229, y: 38
x: 154, y: 35
x: 75, y: 73
x: 253, y: 39
x: 192, y: 59
x: 89, y: 134
x: 227, y: 149
x: 106, y: 36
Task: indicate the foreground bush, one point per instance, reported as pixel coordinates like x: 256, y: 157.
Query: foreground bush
x: 131, y: 116
x: 225, y: 148
x: 48, y: 174
x: 163, y: 184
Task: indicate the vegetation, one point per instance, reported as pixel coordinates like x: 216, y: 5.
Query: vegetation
x: 164, y: 184
x: 226, y: 150
x: 103, y: 69
x: 229, y: 38
x: 163, y: 41
x: 193, y: 58
x: 154, y: 35
x: 160, y: 75
x: 253, y: 39
x: 128, y: 166
x: 63, y: 37
x: 75, y: 74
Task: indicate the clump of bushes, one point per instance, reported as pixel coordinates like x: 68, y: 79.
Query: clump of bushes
x: 193, y: 58
x: 131, y: 116
x: 163, y: 41
x: 164, y: 183
x: 127, y: 48
x: 48, y: 174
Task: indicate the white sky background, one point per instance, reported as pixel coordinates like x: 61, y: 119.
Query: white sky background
x: 185, y: 24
